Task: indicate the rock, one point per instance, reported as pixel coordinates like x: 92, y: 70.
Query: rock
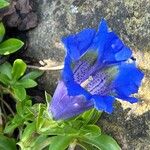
x: 19, y: 14
x: 131, y: 21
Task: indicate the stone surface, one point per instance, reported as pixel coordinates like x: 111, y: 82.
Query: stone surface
x: 57, y: 18
x: 19, y: 14
x: 129, y: 124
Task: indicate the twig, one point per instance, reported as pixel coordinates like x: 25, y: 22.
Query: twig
x: 8, y: 107
x: 46, y: 68
x: 1, y: 120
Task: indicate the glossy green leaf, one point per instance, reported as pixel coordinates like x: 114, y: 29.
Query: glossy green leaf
x: 102, y: 142
x: 27, y: 83
x: 2, y: 31
x: 19, y: 68
x: 19, y: 92
x: 90, y: 130
x: 6, y: 69
x: 3, y: 3
x: 10, y: 46
x: 7, y: 143
x: 4, y: 79
x: 60, y: 142
x: 32, y: 75
x: 91, y: 116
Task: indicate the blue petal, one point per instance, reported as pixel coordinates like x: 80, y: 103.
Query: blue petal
x: 67, y: 74
x: 75, y: 89
x: 128, y: 81
x: 78, y: 44
x: 124, y: 54
x: 115, y: 50
x: 104, y: 103
x: 64, y: 106
x: 68, y: 77
x: 102, y: 79
x: 101, y: 36
x: 129, y: 99
x: 83, y: 68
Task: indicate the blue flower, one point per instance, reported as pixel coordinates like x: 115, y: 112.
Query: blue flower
x: 97, y: 69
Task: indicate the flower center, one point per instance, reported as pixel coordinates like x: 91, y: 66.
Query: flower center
x: 86, y: 82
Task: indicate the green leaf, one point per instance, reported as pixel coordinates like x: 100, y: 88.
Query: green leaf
x: 4, y: 79
x: 6, y: 69
x: 32, y: 75
x: 12, y: 124
x: 90, y: 130
x: 41, y: 142
x: 27, y: 83
x: 19, y: 68
x: 22, y: 107
x: 10, y: 46
x: 19, y: 92
x: 86, y: 146
x: 7, y: 143
x: 102, y: 142
x: 3, y: 3
x: 60, y: 142
x: 40, y: 116
x: 91, y: 116
x: 28, y: 137
x: 47, y: 98
x: 2, y: 31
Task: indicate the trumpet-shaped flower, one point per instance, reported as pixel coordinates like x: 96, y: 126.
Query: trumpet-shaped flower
x: 96, y: 71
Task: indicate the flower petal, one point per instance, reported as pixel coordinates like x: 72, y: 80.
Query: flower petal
x: 83, y: 68
x: 114, y: 50
x: 101, y: 36
x: 102, y: 79
x: 128, y: 81
x: 64, y: 106
x: 78, y: 44
x: 104, y: 103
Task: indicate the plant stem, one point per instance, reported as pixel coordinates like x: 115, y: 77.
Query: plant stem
x: 1, y: 121
x: 7, y: 106
x: 46, y: 68
x: 72, y: 145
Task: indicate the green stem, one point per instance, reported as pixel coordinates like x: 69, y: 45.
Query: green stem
x: 72, y: 145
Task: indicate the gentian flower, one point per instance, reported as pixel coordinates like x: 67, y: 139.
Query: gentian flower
x: 97, y: 69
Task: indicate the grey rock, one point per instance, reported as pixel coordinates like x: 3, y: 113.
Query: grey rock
x: 19, y: 14
x: 131, y: 21
x: 57, y: 18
